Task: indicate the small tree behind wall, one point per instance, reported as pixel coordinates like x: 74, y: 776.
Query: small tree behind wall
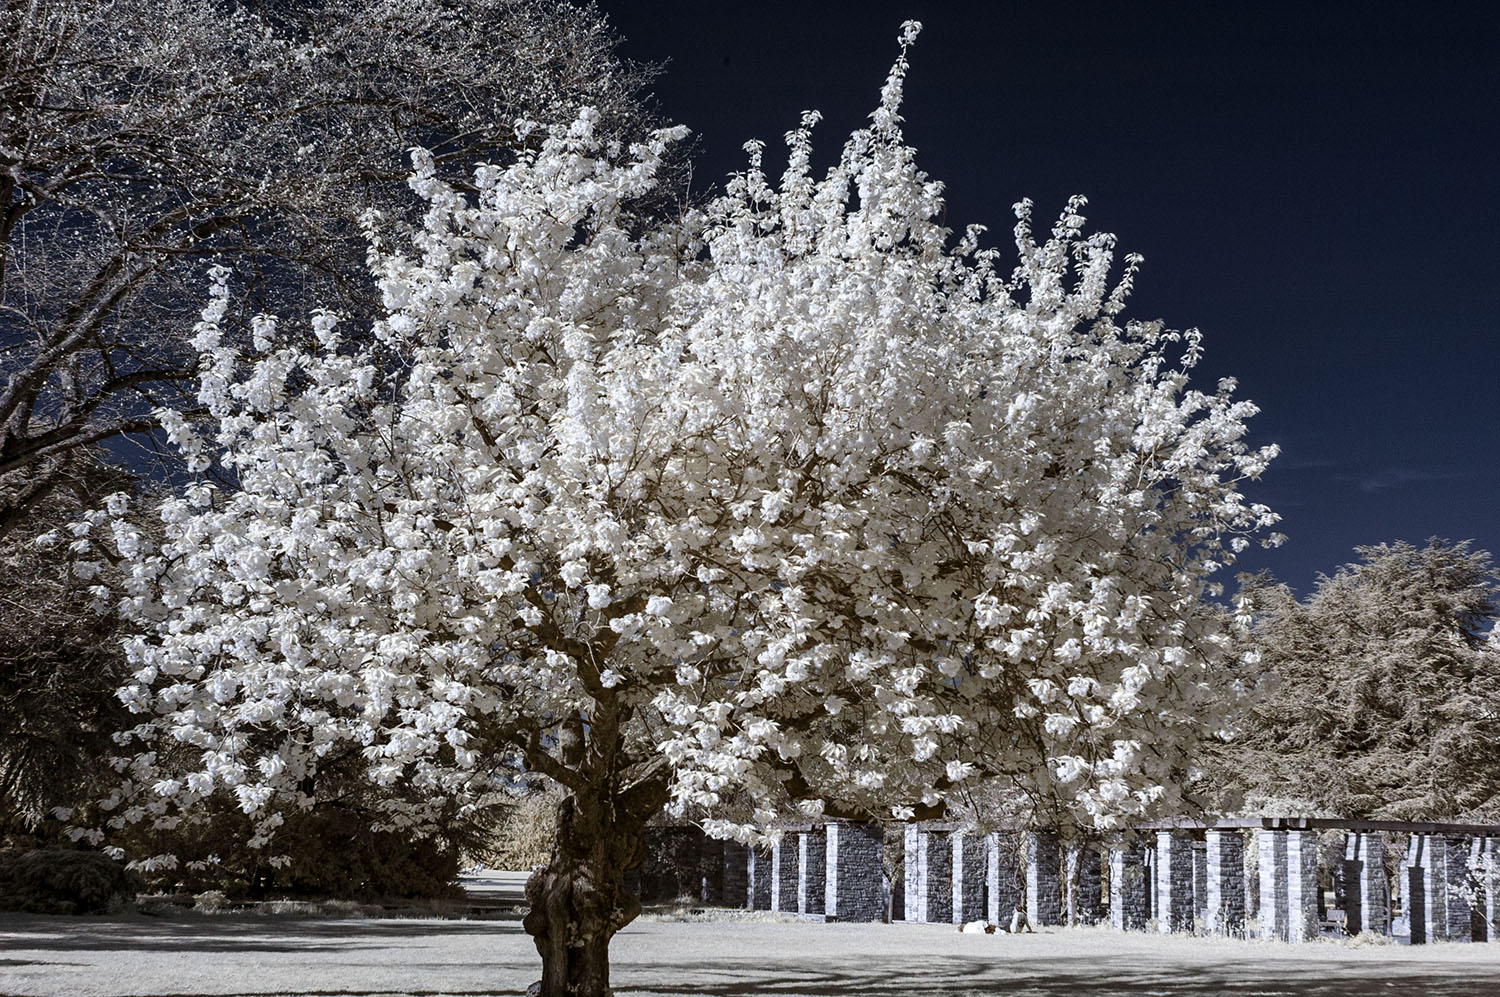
x: 789, y: 495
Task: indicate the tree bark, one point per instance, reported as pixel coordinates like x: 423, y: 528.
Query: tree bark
x: 579, y: 900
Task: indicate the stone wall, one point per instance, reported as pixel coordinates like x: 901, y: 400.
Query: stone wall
x: 1044, y: 878
x: 1485, y: 855
x: 1367, y: 902
x: 785, y: 855
x: 760, y: 879
x: 812, y: 870
x: 1085, y: 883
x: 1224, y: 882
x: 1271, y: 846
x: 736, y: 875
x: 938, y: 879
x: 1004, y: 874
x: 968, y: 888
x: 1302, y: 923
x: 1128, y: 887
x: 1458, y: 890
x: 1174, y: 882
x: 855, y: 889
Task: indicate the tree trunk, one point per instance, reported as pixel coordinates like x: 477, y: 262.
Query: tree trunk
x: 579, y: 900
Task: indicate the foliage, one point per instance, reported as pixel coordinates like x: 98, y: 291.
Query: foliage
x: 791, y: 496
x: 1387, y: 693
x: 59, y: 666
x: 64, y: 881
x: 139, y: 138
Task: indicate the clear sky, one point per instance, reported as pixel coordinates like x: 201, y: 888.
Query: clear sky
x: 1313, y: 185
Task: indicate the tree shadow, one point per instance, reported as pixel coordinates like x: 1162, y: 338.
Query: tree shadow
x: 950, y: 977
x: 229, y: 932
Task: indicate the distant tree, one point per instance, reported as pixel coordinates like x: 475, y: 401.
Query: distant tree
x: 793, y: 498
x: 1385, y: 691
x: 142, y: 139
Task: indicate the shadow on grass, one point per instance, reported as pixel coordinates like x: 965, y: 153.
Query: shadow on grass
x: 229, y: 932
x: 949, y: 977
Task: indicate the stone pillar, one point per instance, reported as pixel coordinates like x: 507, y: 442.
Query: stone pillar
x: 1150, y: 867
x: 1302, y: 924
x: 1200, y: 882
x: 1128, y: 887
x: 939, y: 878
x: 1457, y: 890
x: 914, y: 873
x: 760, y: 879
x: 1043, y: 878
x: 1085, y: 905
x: 1418, y: 882
x: 1006, y: 889
x: 812, y: 861
x: 1367, y: 904
x: 855, y: 888
x: 1437, y: 876
x: 736, y: 875
x: 784, y: 873
x: 1174, y: 882
x: 1486, y: 855
x: 1224, y: 882
x: 968, y: 877
x: 1271, y: 848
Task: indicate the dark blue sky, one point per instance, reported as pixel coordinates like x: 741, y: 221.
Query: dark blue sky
x: 1313, y: 185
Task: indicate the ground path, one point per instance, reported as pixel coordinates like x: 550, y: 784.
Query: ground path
x: 244, y: 955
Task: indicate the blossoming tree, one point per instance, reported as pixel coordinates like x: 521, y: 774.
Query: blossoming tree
x: 793, y: 494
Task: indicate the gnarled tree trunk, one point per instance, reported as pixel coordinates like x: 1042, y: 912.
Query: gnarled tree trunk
x: 579, y: 900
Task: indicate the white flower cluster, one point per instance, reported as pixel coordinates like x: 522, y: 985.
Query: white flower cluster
x: 788, y: 492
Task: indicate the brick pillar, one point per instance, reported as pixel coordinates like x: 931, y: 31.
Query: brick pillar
x: 1367, y: 903
x: 1006, y: 889
x: 914, y: 873
x: 1271, y: 848
x: 760, y: 879
x: 784, y: 873
x: 855, y: 881
x: 939, y: 879
x: 1043, y: 878
x: 1457, y: 889
x: 1084, y: 883
x: 1174, y: 882
x: 1224, y: 882
x: 1302, y: 924
x: 736, y: 875
x: 1128, y: 887
x: 812, y: 861
x: 968, y: 877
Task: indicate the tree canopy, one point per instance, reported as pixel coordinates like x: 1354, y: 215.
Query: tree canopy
x: 793, y: 493
x: 1384, y: 697
x: 141, y: 138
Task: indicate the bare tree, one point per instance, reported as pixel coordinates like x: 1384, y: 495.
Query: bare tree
x: 139, y: 139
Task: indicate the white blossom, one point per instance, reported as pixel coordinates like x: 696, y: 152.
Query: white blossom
x: 791, y: 489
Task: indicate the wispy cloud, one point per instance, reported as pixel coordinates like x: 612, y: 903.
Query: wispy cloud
x: 1394, y: 477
